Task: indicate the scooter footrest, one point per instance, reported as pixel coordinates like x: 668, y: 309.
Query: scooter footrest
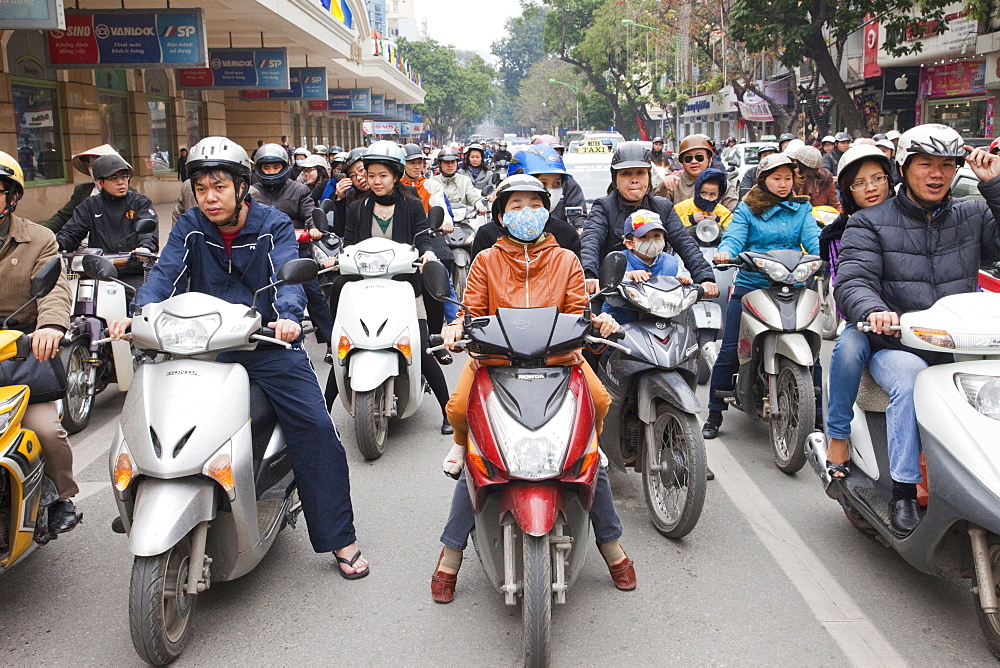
x: 876, y: 500
x: 725, y: 394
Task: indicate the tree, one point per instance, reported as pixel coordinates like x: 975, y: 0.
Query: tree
x: 543, y: 105
x: 523, y: 47
x: 807, y: 29
x: 456, y: 98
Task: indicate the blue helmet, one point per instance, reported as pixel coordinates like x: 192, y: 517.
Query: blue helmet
x: 537, y: 159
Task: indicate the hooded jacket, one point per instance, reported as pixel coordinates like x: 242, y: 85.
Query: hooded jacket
x: 110, y: 224
x: 685, y: 190
x: 686, y: 209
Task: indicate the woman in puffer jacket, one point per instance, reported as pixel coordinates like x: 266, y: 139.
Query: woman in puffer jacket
x: 474, y: 166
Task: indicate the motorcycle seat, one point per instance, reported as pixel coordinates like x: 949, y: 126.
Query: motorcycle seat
x: 263, y: 420
x: 871, y: 397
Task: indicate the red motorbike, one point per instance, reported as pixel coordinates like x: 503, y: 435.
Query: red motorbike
x: 989, y: 278
x: 532, y: 458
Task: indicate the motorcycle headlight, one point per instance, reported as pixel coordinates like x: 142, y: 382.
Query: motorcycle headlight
x: 186, y: 335
x: 982, y: 393
x: 806, y: 269
x: 532, y: 455
x: 707, y: 231
x: 661, y: 303
x: 373, y: 264
x: 774, y: 270
x: 8, y: 409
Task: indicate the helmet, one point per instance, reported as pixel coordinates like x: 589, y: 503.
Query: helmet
x: 321, y: 149
x: 81, y: 161
x: 808, y: 156
x: 885, y: 143
x: 386, y: 153
x: 879, y: 137
x: 786, y: 136
x: 537, y: 159
x: 341, y: 156
x: 829, y: 139
x: 336, y: 149
x: 13, y: 180
x: 630, y: 154
x: 503, y: 144
x: 657, y: 139
x: 858, y: 154
x: 317, y: 161
x: 476, y: 147
x: 518, y: 183
x: 843, y: 136
x: 773, y: 148
x: 793, y: 144
x: 544, y: 139
x: 269, y: 154
x: 771, y: 163
x: 413, y: 152
x: 447, y: 154
x: 892, y: 135
x: 302, y: 150
x: 109, y: 165
x: 692, y: 142
x: 225, y: 154
x: 930, y: 139
x: 353, y: 156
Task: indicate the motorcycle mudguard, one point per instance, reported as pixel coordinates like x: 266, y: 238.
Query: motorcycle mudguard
x: 534, y: 507
x: 460, y: 257
x: 166, y: 510
x: 666, y: 385
x: 707, y: 315
x: 791, y: 345
x: 371, y: 368
x: 113, y: 304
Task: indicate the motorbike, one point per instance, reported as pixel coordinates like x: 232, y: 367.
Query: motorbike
x: 956, y: 408
x: 652, y: 425
x: 202, y: 492
x: 709, y: 315
x: 824, y: 286
x: 92, y: 366
x: 329, y: 245
x: 779, y: 342
x: 989, y: 278
x: 467, y: 222
x: 25, y: 491
x: 531, y: 465
x: 378, y: 375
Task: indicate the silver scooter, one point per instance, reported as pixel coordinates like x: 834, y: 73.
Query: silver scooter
x: 202, y: 487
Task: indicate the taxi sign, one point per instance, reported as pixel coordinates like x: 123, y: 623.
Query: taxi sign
x: 593, y: 146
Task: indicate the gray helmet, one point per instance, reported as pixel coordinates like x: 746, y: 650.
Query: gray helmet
x: 354, y: 155
x: 657, y: 140
x: 108, y: 165
x: 414, y: 152
x: 786, y: 136
x: 447, y: 154
x: 843, y: 136
x: 336, y: 149
x: 220, y: 153
x: 271, y: 154
x: 321, y: 149
x: 302, y: 150
x: 765, y: 148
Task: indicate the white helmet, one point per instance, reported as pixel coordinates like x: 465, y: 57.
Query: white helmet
x: 861, y: 153
x: 220, y: 153
x: 931, y: 139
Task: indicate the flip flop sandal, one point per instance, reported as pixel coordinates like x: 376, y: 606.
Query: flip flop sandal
x: 351, y: 562
x: 833, y: 470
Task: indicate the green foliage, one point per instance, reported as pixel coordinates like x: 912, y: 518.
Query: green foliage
x: 541, y: 104
x: 523, y: 46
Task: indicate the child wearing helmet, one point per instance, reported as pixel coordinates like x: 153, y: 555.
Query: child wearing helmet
x: 525, y: 268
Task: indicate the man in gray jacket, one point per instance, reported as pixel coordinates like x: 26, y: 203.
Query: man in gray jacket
x: 457, y: 187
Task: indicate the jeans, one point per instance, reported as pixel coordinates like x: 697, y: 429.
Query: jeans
x: 318, y: 458
x: 896, y: 371
x: 850, y: 356
x: 462, y: 518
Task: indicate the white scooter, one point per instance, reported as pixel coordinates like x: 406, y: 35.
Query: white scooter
x: 378, y: 339
x: 958, y: 409
x: 201, y: 475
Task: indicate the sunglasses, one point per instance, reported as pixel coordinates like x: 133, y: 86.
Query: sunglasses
x: 700, y: 157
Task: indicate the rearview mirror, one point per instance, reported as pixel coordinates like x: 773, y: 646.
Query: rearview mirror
x: 319, y: 220
x: 327, y: 205
x: 45, y: 280
x: 145, y: 226
x: 436, y: 280
x: 299, y: 271
x: 435, y: 217
x: 613, y: 269
x: 98, y: 268
x: 488, y: 190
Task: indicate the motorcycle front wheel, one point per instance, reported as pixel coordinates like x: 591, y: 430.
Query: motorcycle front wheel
x: 460, y: 278
x: 160, y: 608
x: 794, y: 417
x: 81, y: 377
x: 370, y: 422
x: 536, y: 600
x: 674, y: 471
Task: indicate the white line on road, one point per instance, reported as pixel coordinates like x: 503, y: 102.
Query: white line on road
x: 853, y: 632
x: 93, y: 445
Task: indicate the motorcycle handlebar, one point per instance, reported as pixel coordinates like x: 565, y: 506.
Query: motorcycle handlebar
x: 866, y: 327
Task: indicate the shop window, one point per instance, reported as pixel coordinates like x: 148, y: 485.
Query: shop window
x: 194, y: 122
x: 967, y: 116
x: 36, y: 108
x: 113, y: 112
x: 161, y: 136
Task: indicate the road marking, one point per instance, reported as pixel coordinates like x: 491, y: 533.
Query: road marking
x: 93, y: 445
x: 853, y: 632
x: 90, y: 488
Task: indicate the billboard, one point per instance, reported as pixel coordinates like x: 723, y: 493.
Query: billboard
x: 41, y: 14
x: 251, y: 69
x: 305, y: 83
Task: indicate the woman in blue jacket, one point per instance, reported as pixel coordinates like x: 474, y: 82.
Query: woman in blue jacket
x: 770, y: 217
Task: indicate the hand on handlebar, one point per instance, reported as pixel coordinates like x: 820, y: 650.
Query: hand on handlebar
x: 329, y: 262
x: 119, y: 328
x: 637, y: 275
x: 447, y: 227
x: 285, y: 330
x: 451, y: 334
x: 592, y: 286
x: 722, y: 258
x: 45, y: 343
x: 606, y: 324
x: 881, y: 321
x: 429, y: 256
x: 711, y: 289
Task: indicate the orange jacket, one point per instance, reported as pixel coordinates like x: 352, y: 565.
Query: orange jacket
x: 419, y: 185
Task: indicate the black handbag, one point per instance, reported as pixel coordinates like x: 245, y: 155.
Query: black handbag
x: 47, y: 380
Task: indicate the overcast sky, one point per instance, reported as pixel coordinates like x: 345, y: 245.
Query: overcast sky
x: 467, y: 25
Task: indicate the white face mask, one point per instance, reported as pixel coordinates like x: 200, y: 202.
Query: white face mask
x: 555, y: 194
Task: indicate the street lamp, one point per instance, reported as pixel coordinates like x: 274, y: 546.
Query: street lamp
x: 576, y: 94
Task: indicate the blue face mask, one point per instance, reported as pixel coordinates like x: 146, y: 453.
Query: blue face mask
x: 526, y: 224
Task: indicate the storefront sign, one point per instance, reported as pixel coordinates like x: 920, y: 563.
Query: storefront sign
x: 378, y: 105
x: 305, y: 83
x: 872, y: 41
x: 254, y: 69
x: 139, y: 38
x: 723, y: 102
x: 41, y: 14
x: 385, y: 128
x: 966, y: 77
x: 993, y: 70
x: 991, y: 105
x: 899, y: 88
x: 390, y: 109
x: 361, y: 101
x: 411, y: 128
x: 958, y: 40
x: 37, y: 119
x: 756, y: 111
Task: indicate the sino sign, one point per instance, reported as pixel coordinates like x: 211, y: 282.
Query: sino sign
x: 251, y: 69
x: 167, y: 38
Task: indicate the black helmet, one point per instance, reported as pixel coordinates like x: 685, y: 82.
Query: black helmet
x: 518, y: 183
x: 352, y: 157
x: 786, y: 136
x: 447, y: 154
x: 629, y: 155
x: 109, y: 165
x: 270, y: 154
x: 414, y: 152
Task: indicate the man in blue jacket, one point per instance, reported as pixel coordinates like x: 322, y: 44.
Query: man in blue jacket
x: 229, y: 247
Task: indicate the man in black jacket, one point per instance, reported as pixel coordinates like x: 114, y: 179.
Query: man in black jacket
x: 903, y: 255
x: 109, y: 217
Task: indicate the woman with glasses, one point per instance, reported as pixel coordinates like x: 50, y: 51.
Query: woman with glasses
x: 864, y: 181
x: 695, y: 155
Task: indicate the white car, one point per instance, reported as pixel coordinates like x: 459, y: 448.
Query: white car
x: 966, y: 184
x: 738, y: 159
x: 592, y: 171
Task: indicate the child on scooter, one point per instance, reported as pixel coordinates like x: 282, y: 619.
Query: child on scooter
x: 709, y: 187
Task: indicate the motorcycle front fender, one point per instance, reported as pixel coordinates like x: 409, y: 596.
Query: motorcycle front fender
x: 166, y: 511
x: 668, y: 386
x: 535, y: 507
x: 790, y: 345
x: 460, y: 257
x: 371, y: 368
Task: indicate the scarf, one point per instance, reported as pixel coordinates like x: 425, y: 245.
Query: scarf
x: 368, y: 211
x: 474, y: 171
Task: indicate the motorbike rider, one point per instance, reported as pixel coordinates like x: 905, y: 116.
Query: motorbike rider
x: 298, y: 155
x: 695, y: 154
x: 783, y: 141
x: 657, y: 156
x: 813, y: 181
x: 457, y: 187
x: 337, y: 161
x: 708, y: 189
x: 525, y: 268
x: 502, y: 153
x: 827, y: 144
x: 903, y: 255
x: 25, y: 248
x: 749, y: 179
x: 109, y: 218
x: 475, y: 167
x: 630, y: 180
x: 229, y: 246
x: 842, y: 142
x: 863, y: 176
x: 770, y: 217
x: 313, y: 173
x: 275, y: 188
x: 82, y: 162
x: 545, y: 164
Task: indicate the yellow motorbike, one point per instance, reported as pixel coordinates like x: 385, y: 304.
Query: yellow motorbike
x: 25, y: 492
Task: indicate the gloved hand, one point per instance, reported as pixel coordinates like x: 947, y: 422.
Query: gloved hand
x: 454, y: 462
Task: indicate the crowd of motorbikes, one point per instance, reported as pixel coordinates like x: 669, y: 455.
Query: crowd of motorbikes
x: 178, y: 467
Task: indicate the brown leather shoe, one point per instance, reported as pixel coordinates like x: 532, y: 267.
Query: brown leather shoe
x: 623, y: 574
x: 443, y: 584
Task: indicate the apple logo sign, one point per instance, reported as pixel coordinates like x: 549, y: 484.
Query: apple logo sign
x: 901, y: 82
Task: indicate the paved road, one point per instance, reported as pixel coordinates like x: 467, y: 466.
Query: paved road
x: 772, y: 575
